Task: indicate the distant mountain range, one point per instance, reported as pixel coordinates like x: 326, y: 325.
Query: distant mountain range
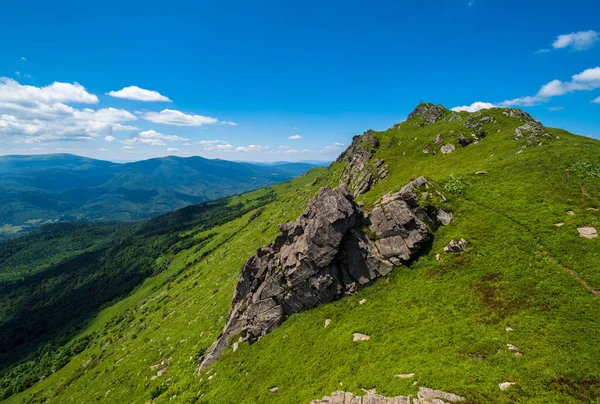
x: 40, y: 189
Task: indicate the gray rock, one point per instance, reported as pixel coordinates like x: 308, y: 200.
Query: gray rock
x: 323, y: 256
x: 360, y: 337
x: 370, y: 397
x: 438, y: 139
x: 429, y: 113
x: 587, y: 232
x: 463, y: 141
x: 456, y: 246
x: 481, y: 173
x: 513, y: 349
x: 406, y: 375
x: 427, y: 396
x: 274, y: 390
x: 444, y: 217
x: 361, y: 173
x: 505, y: 385
x: 447, y: 148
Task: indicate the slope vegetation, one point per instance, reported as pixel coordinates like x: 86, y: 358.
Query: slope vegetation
x: 518, y: 305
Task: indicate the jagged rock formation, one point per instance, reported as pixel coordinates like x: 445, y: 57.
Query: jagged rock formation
x: 429, y: 113
x: 361, y: 173
x: 425, y: 396
x: 330, y: 251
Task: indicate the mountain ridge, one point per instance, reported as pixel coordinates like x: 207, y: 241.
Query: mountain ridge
x: 493, y: 322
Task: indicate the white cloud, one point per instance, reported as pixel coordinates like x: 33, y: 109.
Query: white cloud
x: 173, y: 150
x: 153, y: 138
x: 30, y: 114
x: 139, y: 94
x: 103, y: 150
x: 127, y: 147
x: 18, y: 74
x: 295, y: 137
x: 251, y: 148
x: 13, y: 92
x: 109, y: 139
x: 576, y: 40
x: 476, y: 106
x: 23, y: 58
x: 555, y: 108
x: 596, y: 100
x: 229, y: 123
x: 178, y: 118
x: 585, y: 81
x: 544, y: 50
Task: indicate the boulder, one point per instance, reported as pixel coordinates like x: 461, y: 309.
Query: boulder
x: 332, y: 250
x: 447, y: 148
x: 456, y: 246
x: 427, y: 396
x: 429, y: 113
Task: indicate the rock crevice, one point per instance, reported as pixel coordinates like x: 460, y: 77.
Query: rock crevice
x: 332, y: 250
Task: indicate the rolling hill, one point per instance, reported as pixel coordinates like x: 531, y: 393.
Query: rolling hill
x: 487, y: 285
x: 43, y: 189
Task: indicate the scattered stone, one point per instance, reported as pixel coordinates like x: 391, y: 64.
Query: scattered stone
x: 327, y: 322
x: 438, y: 139
x: 447, y: 148
x: 456, y: 246
x: 513, y: 349
x: 406, y: 375
x: 273, y: 390
x: 444, y: 217
x: 505, y: 385
x: 481, y: 173
x: 508, y: 329
x: 324, y: 255
x: 427, y: 396
x: 426, y: 150
x: 463, y: 141
x: 561, y: 224
x: 363, y: 301
x: 594, y: 209
x: 360, y: 337
x: 371, y: 397
x: 571, y: 213
x: 520, y: 151
x: 235, y: 346
x: 438, y: 257
x: 587, y: 232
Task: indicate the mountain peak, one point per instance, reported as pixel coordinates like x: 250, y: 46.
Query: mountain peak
x: 429, y: 112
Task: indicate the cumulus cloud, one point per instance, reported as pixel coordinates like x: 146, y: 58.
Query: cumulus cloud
x: 555, y: 108
x: 215, y: 145
x: 596, y: 100
x: 109, y: 139
x: 476, y: 106
x: 153, y: 138
x: 178, y: 118
x: 139, y: 94
x: 576, y: 40
x: 587, y: 80
x: 30, y: 114
x: 173, y: 150
x: 295, y: 137
x: 229, y: 123
x: 13, y: 92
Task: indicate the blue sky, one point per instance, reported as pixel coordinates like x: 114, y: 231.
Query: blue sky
x: 272, y: 80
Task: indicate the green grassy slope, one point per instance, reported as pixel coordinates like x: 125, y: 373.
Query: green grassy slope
x: 445, y: 321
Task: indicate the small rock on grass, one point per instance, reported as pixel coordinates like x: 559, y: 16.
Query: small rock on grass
x: 481, y: 173
x: 571, y: 213
x: 456, y: 246
x: 327, y: 322
x: 273, y: 390
x: 513, y: 349
x: 360, y: 337
x: 363, y: 301
x: 406, y: 375
x: 561, y: 224
x: 587, y: 232
x: 505, y: 385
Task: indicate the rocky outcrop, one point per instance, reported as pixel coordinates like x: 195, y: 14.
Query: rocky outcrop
x: 425, y: 396
x: 332, y: 250
x: 429, y: 113
x: 361, y: 173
